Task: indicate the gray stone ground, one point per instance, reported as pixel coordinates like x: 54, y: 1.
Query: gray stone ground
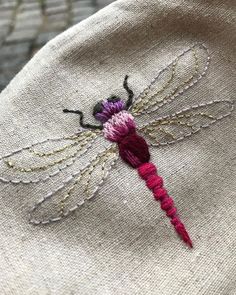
x: 26, y: 25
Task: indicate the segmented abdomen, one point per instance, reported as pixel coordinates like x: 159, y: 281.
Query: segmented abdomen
x: 133, y: 149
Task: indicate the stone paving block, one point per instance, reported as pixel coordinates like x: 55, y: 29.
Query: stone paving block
x: 44, y: 37
x: 7, y: 51
x: 7, y: 6
x: 103, y: 3
x: 9, y: 73
x: 6, y: 14
x: 26, y: 15
x: 8, y: 64
x: 90, y: 2
x: 84, y: 11
x: 21, y: 35
x: 82, y: 3
x: 2, y: 38
x: 77, y: 19
x: 55, y: 3
x: 4, y: 30
x: 30, y: 6
x: 32, y: 1
x: 57, y: 26
x: 3, y: 34
x: 28, y: 20
x: 4, y: 25
x: 57, y: 9
x: 57, y: 17
x: 7, y: 1
x: 26, y: 25
x: 4, y: 80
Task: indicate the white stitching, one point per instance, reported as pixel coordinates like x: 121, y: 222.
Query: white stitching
x: 231, y: 103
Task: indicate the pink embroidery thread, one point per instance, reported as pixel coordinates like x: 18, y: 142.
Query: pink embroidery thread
x: 133, y: 149
x: 154, y: 182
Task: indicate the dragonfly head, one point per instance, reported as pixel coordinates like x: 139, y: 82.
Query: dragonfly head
x: 105, y: 109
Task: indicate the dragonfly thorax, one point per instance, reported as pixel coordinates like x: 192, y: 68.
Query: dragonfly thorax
x: 119, y: 126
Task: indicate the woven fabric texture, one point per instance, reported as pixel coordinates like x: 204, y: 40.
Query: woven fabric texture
x: 120, y: 242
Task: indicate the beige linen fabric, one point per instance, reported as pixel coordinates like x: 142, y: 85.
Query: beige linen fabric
x: 121, y: 242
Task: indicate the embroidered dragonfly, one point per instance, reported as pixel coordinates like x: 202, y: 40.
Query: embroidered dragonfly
x: 44, y: 160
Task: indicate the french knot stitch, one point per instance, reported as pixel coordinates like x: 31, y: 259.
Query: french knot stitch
x: 154, y: 182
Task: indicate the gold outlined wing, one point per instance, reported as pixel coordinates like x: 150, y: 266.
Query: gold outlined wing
x: 43, y: 160
x: 182, y: 73
x: 80, y: 186
x: 176, y: 127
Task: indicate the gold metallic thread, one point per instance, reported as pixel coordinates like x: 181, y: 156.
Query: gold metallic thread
x: 145, y: 103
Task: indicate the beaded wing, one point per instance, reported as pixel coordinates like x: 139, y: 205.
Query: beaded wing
x: 89, y: 165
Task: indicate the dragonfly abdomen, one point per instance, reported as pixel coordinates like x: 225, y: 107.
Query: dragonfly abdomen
x: 154, y: 182
x: 133, y: 150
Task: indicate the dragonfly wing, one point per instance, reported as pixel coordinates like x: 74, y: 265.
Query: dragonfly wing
x: 79, y: 187
x: 173, y: 128
x: 45, y: 159
x: 182, y: 73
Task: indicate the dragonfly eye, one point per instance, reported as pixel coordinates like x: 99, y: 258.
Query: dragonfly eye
x: 113, y: 98
x: 98, y: 108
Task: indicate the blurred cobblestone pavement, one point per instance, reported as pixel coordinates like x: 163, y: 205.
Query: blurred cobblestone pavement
x: 26, y: 25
